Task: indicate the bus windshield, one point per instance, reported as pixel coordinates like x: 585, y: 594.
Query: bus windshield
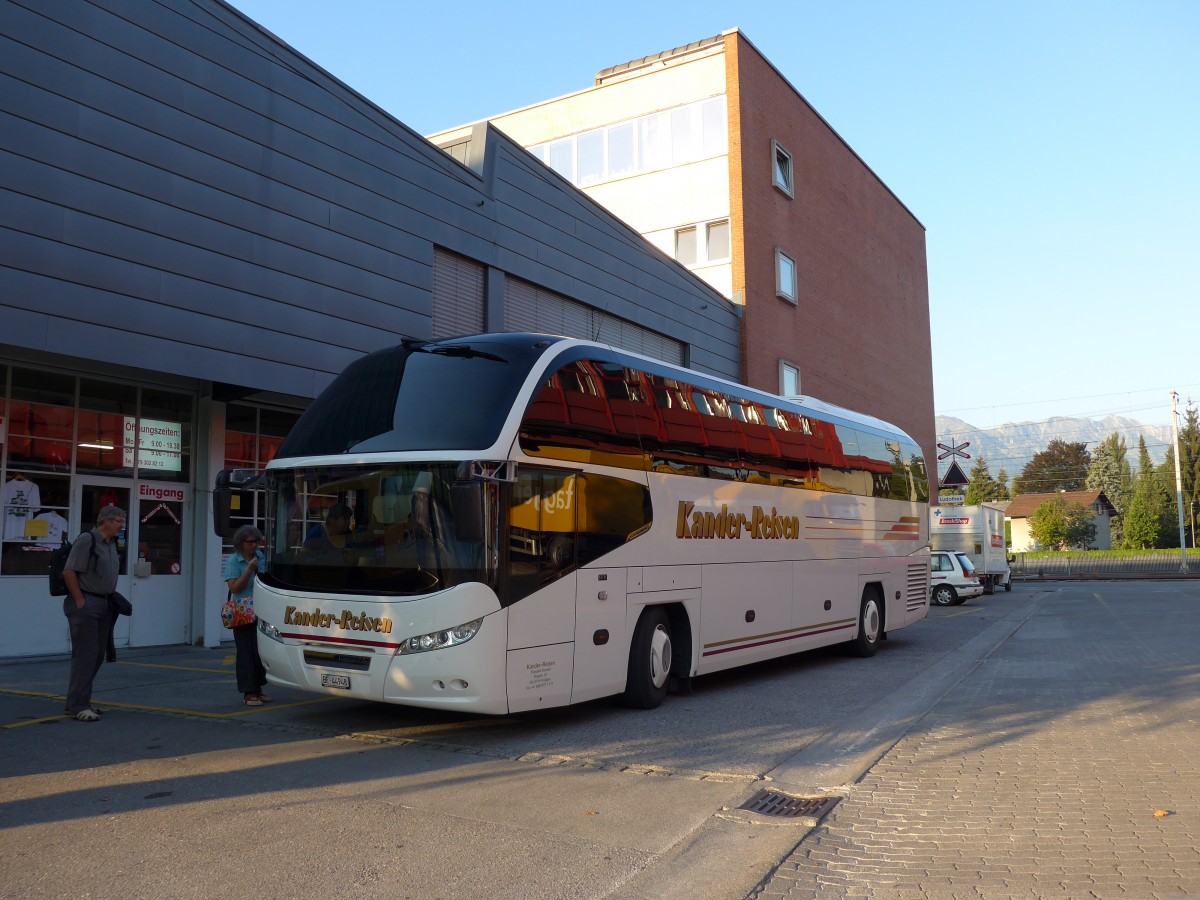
x: 449, y: 395
x: 390, y: 529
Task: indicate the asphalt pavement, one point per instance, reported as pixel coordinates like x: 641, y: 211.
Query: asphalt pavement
x: 1046, y: 749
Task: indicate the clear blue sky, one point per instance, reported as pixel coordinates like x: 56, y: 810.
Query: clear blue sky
x: 1051, y: 150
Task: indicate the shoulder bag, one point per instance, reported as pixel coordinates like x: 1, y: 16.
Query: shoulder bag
x: 237, y: 611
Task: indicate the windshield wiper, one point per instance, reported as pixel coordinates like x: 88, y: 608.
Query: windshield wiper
x: 461, y: 350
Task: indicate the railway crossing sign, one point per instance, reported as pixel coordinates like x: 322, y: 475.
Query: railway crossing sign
x: 954, y: 476
x: 953, y: 449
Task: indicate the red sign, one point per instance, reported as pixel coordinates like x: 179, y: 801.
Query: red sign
x: 150, y: 491
x: 953, y: 521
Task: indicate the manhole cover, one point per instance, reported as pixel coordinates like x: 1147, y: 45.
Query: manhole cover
x: 773, y: 803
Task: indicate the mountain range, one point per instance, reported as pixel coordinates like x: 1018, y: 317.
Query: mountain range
x: 1012, y: 445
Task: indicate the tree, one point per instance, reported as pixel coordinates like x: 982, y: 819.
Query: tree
x: 1062, y: 466
x: 1002, y: 480
x: 1140, y: 524
x: 1145, y: 466
x: 1164, y: 476
x: 982, y: 487
x: 1110, y: 473
x: 1189, y: 466
x: 1146, y: 523
x: 1059, y: 525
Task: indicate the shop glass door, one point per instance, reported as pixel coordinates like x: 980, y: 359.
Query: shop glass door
x: 160, y: 576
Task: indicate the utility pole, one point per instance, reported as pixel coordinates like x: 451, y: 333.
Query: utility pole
x: 1178, y: 486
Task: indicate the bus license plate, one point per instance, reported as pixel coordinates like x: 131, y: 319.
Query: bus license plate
x: 336, y: 681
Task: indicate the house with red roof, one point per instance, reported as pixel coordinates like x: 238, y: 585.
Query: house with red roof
x: 1023, y: 506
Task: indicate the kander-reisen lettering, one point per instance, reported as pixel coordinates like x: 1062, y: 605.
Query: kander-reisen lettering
x: 759, y: 525
x: 347, y: 621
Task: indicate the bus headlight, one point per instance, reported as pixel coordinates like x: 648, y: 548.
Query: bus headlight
x: 436, y: 640
x: 266, y: 628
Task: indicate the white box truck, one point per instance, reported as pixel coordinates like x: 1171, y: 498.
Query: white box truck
x: 977, y: 531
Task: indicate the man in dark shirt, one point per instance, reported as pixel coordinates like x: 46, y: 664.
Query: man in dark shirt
x: 91, y: 575
x: 335, y: 535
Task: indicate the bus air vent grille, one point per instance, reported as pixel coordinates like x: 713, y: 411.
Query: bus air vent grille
x: 337, y: 661
x: 773, y: 803
x: 918, y: 585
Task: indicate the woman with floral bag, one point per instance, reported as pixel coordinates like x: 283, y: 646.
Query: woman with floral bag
x: 238, y: 613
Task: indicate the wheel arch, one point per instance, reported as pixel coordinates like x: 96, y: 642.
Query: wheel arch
x: 683, y: 663
x: 876, y: 586
x: 682, y: 616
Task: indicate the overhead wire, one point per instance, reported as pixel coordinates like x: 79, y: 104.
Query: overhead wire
x: 1151, y: 435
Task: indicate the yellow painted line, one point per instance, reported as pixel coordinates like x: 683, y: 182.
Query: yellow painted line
x: 172, y: 668
x: 33, y: 694
x: 249, y: 710
x: 105, y: 704
x: 36, y: 721
x: 963, y: 612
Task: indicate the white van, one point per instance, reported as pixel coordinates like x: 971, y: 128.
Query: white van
x: 952, y: 578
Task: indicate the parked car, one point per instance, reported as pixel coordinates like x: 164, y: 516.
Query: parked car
x: 952, y: 578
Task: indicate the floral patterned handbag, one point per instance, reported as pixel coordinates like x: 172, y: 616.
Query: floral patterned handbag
x: 237, y: 611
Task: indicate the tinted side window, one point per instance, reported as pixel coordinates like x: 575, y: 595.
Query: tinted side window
x: 588, y: 412
x: 612, y: 512
x: 560, y: 519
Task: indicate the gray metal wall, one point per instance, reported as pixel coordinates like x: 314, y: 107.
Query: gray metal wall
x: 181, y: 192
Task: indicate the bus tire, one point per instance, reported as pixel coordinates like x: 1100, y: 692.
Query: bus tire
x: 944, y: 595
x: 649, y: 660
x: 870, y: 625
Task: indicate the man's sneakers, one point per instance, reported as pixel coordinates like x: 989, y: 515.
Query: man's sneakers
x: 87, y: 715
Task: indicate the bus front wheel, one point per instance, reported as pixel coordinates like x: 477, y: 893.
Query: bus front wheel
x: 649, y: 660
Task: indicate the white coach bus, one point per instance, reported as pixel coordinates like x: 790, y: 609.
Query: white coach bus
x: 508, y: 522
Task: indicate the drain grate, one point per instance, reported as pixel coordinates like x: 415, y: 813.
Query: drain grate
x: 773, y: 803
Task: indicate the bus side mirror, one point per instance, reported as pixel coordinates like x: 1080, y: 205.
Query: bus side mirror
x: 466, y: 501
x: 232, y: 496
x: 222, y: 498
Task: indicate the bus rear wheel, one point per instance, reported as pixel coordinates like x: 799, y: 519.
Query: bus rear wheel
x: 649, y: 660
x: 870, y: 625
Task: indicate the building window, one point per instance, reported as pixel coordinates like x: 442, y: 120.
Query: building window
x: 715, y: 247
x: 789, y: 379
x: 685, y: 245
x: 253, y: 435
x: 785, y: 276
x: 622, y: 152
x: 55, y: 426
x: 718, y: 240
x: 458, y: 304
x: 781, y: 168
x: 591, y: 158
x: 562, y: 159
x: 667, y: 138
